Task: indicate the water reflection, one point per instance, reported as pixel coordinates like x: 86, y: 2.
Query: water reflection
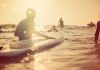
x: 95, y: 64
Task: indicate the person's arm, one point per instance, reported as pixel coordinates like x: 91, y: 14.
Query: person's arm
x: 97, y: 32
x: 38, y: 33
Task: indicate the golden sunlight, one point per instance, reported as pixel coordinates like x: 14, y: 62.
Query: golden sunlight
x: 49, y: 11
x: 37, y: 5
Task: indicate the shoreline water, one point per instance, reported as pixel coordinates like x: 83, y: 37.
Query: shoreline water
x: 77, y: 52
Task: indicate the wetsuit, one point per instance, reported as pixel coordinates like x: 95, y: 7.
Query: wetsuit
x: 97, y: 31
x: 61, y: 23
x: 25, y: 29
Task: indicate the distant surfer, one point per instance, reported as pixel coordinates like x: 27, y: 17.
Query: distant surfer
x: 53, y: 29
x: 26, y: 27
x: 61, y: 23
x: 97, y: 32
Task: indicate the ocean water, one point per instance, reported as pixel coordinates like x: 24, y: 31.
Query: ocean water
x: 77, y: 52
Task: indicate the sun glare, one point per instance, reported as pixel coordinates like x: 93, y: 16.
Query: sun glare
x: 25, y: 4
x: 36, y: 5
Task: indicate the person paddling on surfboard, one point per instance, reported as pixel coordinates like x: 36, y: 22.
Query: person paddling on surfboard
x: 26, y: 27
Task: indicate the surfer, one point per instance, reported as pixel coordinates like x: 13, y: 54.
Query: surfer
x: 26, y: 27
x: 97, y: 32
x: 61, y: 23
x: 53, y: 29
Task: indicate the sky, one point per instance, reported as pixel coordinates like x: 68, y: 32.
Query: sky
x: 73, y: 12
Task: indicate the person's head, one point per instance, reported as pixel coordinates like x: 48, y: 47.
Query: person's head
x: 60, y: 18
x: 30, y: 13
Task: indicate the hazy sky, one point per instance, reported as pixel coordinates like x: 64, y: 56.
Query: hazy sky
x: 73, y: 12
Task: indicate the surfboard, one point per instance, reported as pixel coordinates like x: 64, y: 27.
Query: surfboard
x: 12, y: 52
x: 22, y: 44
x: 33, y: 44
x: 47, y: 44
x: 20, y: 47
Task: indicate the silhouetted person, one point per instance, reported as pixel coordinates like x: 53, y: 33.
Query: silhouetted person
x: 26, y: 27
x: 54, y: 28
x: 97, y: 32
x: 61, y: 23
x: 91, y: 24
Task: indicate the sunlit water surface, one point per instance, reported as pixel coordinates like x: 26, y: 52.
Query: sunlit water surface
x: 77, y: 52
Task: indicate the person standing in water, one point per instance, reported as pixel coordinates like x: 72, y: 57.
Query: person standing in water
x: 61, y: 23
x: 97, y: 32
x: 26, y: 27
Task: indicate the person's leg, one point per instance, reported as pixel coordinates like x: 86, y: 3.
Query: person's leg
x: 97, y: 32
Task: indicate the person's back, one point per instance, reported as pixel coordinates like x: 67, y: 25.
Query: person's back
x: 26, y: 27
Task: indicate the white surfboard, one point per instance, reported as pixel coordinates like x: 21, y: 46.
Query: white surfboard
x: 12, y: 52
x: 23, y: 46
x: 48, y: 44
x: 30, y: 43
